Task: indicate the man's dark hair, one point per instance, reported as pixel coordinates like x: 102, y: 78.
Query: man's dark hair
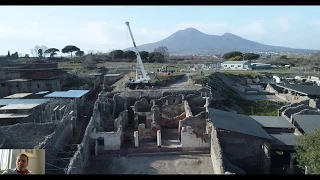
x: 22, y: 154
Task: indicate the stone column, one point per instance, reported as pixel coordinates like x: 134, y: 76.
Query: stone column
x: 136, y: 138
x: 266, y: 159
x: 96, y: 147
x: 291, y: 170
x: 159, y: 138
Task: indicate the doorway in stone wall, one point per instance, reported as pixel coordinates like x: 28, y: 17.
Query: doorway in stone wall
x: 142, y: 119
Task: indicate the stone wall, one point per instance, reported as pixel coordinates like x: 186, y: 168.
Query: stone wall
x: 291, y: 110
x: 216, y: 153
x: 118, y: 105
x: 142, y: 106
x: 242, y: 150
x: 168, y: 115
x: 169, y: 100
x: 79, y: 159
x: 109, y: 80
x: 306, y: 102
x: 138, y: 94
x: 197, y: 123
x: 195, y: 100
x: 33, y: 86
x: 27, y: 135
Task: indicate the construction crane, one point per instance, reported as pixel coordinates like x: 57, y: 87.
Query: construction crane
x: 141, y: 82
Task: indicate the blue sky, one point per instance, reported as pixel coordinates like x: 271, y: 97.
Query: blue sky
x: 102, y: 28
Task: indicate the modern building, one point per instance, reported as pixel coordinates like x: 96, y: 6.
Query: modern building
x: 236, y: 65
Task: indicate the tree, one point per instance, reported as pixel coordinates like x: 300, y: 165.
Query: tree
x: 308, y: 152
x: 52, y: 51
x: 163, y: 50
x: 156, y: 57
x: 34, y: 51
x: 88, y: 62
x: 14, y: 56
x: 70, y: 49
x: 251, y: 56
x: 236, y: 58
x: 79, y: 53
x: 285, y: 57
x: 9, y: 54
x: 26, y: 55
x: 116, y: 54
x: 232, y: 54
x: 130, y: 55
x: 40, y: 53
x: 144, y: 56
x: 44, y: 48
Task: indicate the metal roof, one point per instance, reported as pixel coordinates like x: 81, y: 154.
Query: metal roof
x: 284, y: 139
x: 303, y: 89
x: 237, y: 123
x: 18, y: 80
x: 112, y: 75
x: 273, y: 122
x: 307, y: 122
x: 18, y: 106
x: 17, y: 95
x: 67, y: 94
x: 13, y: 116
x: 95, y: 74
x: 41, y: 92
x: 4, y: 102
x: 234, y: 62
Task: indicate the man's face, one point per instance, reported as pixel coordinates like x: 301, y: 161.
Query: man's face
x: 22, y: 163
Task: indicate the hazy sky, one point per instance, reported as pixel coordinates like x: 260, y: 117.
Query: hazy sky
x: 102, y: 28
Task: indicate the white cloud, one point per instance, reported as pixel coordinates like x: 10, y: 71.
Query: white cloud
x: 284, y: 22
x: 252, y: 28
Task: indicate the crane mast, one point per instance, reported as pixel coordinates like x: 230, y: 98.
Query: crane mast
x: 143, y: 71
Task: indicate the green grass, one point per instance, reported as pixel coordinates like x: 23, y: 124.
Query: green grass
x: 62, y: 65
x: 261, y: 107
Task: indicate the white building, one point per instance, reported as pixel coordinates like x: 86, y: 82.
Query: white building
x: 236, y: 65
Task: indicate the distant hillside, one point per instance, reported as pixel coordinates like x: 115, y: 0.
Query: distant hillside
x: 191, y: 40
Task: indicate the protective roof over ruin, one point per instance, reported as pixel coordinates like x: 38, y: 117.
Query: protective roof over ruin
x: 95, y: 74
x: 13, y: 116
x: 307, y: 122
x: 18, y: 80
x: 42, y: 92
x: 4, y: 102
x: 67, y: 94
x: 303, y: 89
x: 19, y: 106
x: 112, y: 75
x: 17, y: 95
x: 284, y: 139
x: 273, y: 122
x: 237, y: 123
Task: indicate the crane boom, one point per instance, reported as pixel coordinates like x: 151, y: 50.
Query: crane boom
x: 143, y: 71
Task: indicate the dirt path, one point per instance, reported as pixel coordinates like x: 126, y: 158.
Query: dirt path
x: 184, y: 83
x: 164, y: 164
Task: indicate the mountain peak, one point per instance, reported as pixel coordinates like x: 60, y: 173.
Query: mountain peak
x: 191, y: 29
x: 229, y: 34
